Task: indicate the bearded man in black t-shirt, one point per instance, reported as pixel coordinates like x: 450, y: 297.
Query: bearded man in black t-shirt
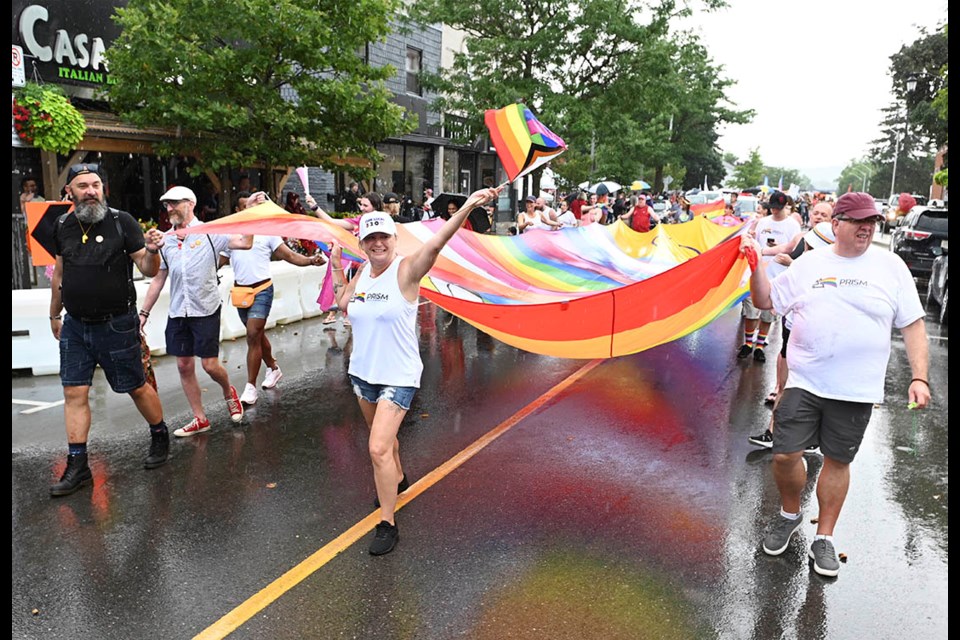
x: 96, y: 247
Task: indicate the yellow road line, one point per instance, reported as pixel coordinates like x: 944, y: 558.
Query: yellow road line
x: 262, y: 599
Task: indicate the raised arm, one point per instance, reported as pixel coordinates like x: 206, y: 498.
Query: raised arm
x: 415, y: 266
x: 323, y: 215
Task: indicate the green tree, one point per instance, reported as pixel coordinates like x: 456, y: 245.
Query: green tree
x: 278, y: 82
x: 790, y: 176
x: 853, y: 174
x: 587, y: 69
x: 750, y: 172
x: 912, y: 128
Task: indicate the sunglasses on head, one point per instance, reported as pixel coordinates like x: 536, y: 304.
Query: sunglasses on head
x: 85, y: 167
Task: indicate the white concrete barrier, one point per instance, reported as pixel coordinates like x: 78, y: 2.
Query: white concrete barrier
x: 310, y: 280
x: 286, y: 293
x: 33, y: 346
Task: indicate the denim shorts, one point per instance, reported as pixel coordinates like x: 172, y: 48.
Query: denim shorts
x: 114, y: 345
x: 803, y: 419
x: 373, y: 393
x: 198, y: 337
x: 262, y: 303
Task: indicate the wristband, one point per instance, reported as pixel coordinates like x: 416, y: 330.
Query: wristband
x: 144, y: 313
x: 920, y: 380
x: 56, y: 318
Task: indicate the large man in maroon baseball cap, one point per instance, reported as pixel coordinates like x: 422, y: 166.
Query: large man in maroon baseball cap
x: 845, y: 299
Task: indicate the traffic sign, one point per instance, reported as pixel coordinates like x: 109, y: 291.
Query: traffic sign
x: 19, y: 76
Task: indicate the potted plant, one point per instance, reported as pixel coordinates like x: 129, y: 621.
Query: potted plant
x: 44, y: 117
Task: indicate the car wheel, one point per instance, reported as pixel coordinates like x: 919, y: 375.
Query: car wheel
x: 943, y: 307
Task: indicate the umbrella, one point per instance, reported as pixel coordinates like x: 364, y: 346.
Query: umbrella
x: 584, y: 185
x: 639, y: 185
x: 751, y: 190
x: 605, y: 187
x: 439, y: 204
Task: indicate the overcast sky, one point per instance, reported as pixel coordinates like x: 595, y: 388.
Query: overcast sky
x: 815, y: 72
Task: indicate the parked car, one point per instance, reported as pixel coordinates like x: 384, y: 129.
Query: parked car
x: 937, y: 285
x: 893, y: 215
x: 917, y: 238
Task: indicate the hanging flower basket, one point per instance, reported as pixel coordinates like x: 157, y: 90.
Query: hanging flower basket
x: 44, y: 117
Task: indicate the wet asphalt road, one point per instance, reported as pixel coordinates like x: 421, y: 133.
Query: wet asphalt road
x: 627, y: 505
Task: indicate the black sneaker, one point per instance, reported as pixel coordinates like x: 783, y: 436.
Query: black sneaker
x: 764, y: 439
x: 75, y: 476
x: 403, y: 486
x: 385, y: 539
x: 745, y: 351
x: 758, y: 355
x: 159, y: 450
x: 814, y: 448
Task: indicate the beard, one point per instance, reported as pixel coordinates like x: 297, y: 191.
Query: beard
x: 90, y: 212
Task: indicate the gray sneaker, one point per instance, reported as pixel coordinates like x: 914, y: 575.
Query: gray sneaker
x: 778, y: 537
x: 824, y: 557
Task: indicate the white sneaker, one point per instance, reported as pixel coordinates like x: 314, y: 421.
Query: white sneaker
x: 272, y: 378
x: 249, y: 394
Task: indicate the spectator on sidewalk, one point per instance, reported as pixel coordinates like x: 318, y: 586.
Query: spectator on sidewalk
x: 96, y: 248
x: 193, y: 323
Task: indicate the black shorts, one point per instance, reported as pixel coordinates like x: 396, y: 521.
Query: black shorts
x: 803, y: 419
x: 198, y: 336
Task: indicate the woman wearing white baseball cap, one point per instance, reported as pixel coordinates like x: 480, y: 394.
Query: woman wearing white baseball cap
x: 385, y: 366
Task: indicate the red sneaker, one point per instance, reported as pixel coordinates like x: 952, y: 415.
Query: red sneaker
x: 193, y: 428
x: 234, y: 406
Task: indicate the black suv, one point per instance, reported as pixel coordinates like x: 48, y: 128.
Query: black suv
x: 917, y: 238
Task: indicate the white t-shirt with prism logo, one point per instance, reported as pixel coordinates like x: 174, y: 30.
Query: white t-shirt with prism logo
x: 843, y: 312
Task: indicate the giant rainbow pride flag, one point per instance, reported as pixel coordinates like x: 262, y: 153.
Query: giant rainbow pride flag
x: 522, y: 142
x: 591, y: 292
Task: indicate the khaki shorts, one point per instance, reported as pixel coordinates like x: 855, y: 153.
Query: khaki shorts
x: 750, y: 312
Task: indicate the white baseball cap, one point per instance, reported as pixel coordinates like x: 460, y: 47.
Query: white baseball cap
x: 820, y: 236
x: 179, y: 193
x: 377, y: 222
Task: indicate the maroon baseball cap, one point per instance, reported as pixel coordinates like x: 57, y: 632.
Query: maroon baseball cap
x: 856, y: 205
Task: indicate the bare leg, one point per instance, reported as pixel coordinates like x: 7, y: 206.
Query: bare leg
x: 255, y: 338
x: 191, y: 387
x: 790, y: 477
x: 216, y: 372
x: 831, y: 493
x: 148, y: 403
x: 384, y: 454
x: 76, y: 411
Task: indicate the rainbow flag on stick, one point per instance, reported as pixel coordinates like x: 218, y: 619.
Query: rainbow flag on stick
x: 522, y: 142
x: 709, y: 209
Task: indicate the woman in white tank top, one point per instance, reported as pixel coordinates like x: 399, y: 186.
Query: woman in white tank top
x: 385, y: 365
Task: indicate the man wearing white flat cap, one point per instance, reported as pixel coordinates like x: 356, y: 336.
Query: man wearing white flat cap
x: 193, y: 325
